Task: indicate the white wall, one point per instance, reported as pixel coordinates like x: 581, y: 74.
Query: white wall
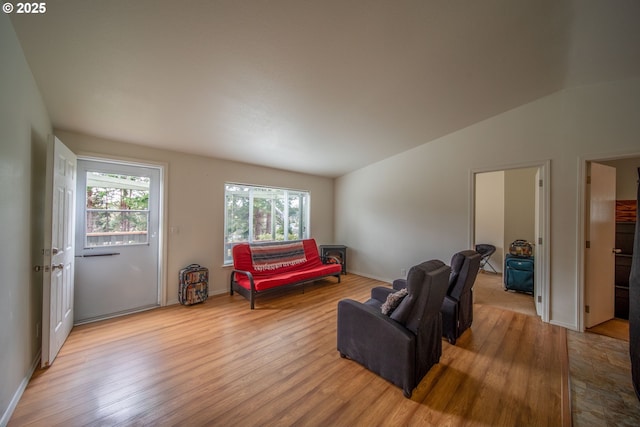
x: 196, y: 202
x: 415, y: 205
x: 489, y: 214
x: 505, y: 209
x: 24, y: 127
x: 626, y: 177
x: 520, y: 205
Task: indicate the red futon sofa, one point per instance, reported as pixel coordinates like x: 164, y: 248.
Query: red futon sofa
x: 263, y: 267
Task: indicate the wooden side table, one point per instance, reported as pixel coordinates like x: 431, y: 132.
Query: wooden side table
x: 338, y: 251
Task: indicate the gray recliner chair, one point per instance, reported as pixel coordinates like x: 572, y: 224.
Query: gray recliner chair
x: 403, y: 346
x: 457, y: 307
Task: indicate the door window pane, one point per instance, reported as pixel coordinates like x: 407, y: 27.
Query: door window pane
x: 117, y: 209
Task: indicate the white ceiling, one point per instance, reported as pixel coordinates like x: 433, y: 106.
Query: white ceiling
x: 322, y: 87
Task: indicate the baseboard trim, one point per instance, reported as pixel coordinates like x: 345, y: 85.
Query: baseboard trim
x: 19, y: 392
x: 369, y: 276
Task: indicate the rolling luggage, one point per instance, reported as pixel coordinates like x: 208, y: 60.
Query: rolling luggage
x: 518, y: 274
x: 521, y: 248
x: 194, y: 284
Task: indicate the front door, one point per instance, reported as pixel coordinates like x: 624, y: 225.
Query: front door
x: 117, y: 239
x: 599, y: 255
x: 58, y: 279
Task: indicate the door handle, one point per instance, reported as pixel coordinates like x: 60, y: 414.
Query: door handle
x: 95, y: 255
x: 617, y: 251
x: 55, y: 251
x: 45, y: 268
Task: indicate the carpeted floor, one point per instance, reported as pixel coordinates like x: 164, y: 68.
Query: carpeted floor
x: 489, y: 290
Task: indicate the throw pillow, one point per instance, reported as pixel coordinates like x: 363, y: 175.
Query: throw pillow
x: 393, y: 301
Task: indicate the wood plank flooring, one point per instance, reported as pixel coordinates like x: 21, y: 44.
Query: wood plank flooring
x: 614, y: 328
x: 220, y: 363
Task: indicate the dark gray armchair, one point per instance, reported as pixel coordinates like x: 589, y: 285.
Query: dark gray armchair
x: 457, y: 307
x: 403, y: 346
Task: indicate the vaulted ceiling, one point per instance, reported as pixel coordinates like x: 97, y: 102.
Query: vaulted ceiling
x: 317, y: 86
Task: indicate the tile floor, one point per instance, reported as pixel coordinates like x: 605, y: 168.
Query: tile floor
x: 601, y: 390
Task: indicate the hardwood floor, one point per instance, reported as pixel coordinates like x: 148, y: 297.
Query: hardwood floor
x: 220, y: 363
x: 614, y: 328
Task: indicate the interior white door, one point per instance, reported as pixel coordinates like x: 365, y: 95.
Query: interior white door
x: 58, y: 277
x: 599, y: 254
x: 117, y: 239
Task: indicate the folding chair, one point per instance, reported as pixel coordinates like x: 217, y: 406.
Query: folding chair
x: 486, y: 251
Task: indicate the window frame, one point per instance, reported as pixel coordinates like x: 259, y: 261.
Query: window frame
x: 254, y: 192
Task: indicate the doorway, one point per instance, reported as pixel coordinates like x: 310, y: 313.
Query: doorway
x: 509, y: 204
x: 118, y: 239
x: 622, y: 190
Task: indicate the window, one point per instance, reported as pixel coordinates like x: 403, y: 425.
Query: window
x: 117, y: 210
x: 262, y: 214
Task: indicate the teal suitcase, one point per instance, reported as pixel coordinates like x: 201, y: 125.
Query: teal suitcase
x: 518, y: 274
